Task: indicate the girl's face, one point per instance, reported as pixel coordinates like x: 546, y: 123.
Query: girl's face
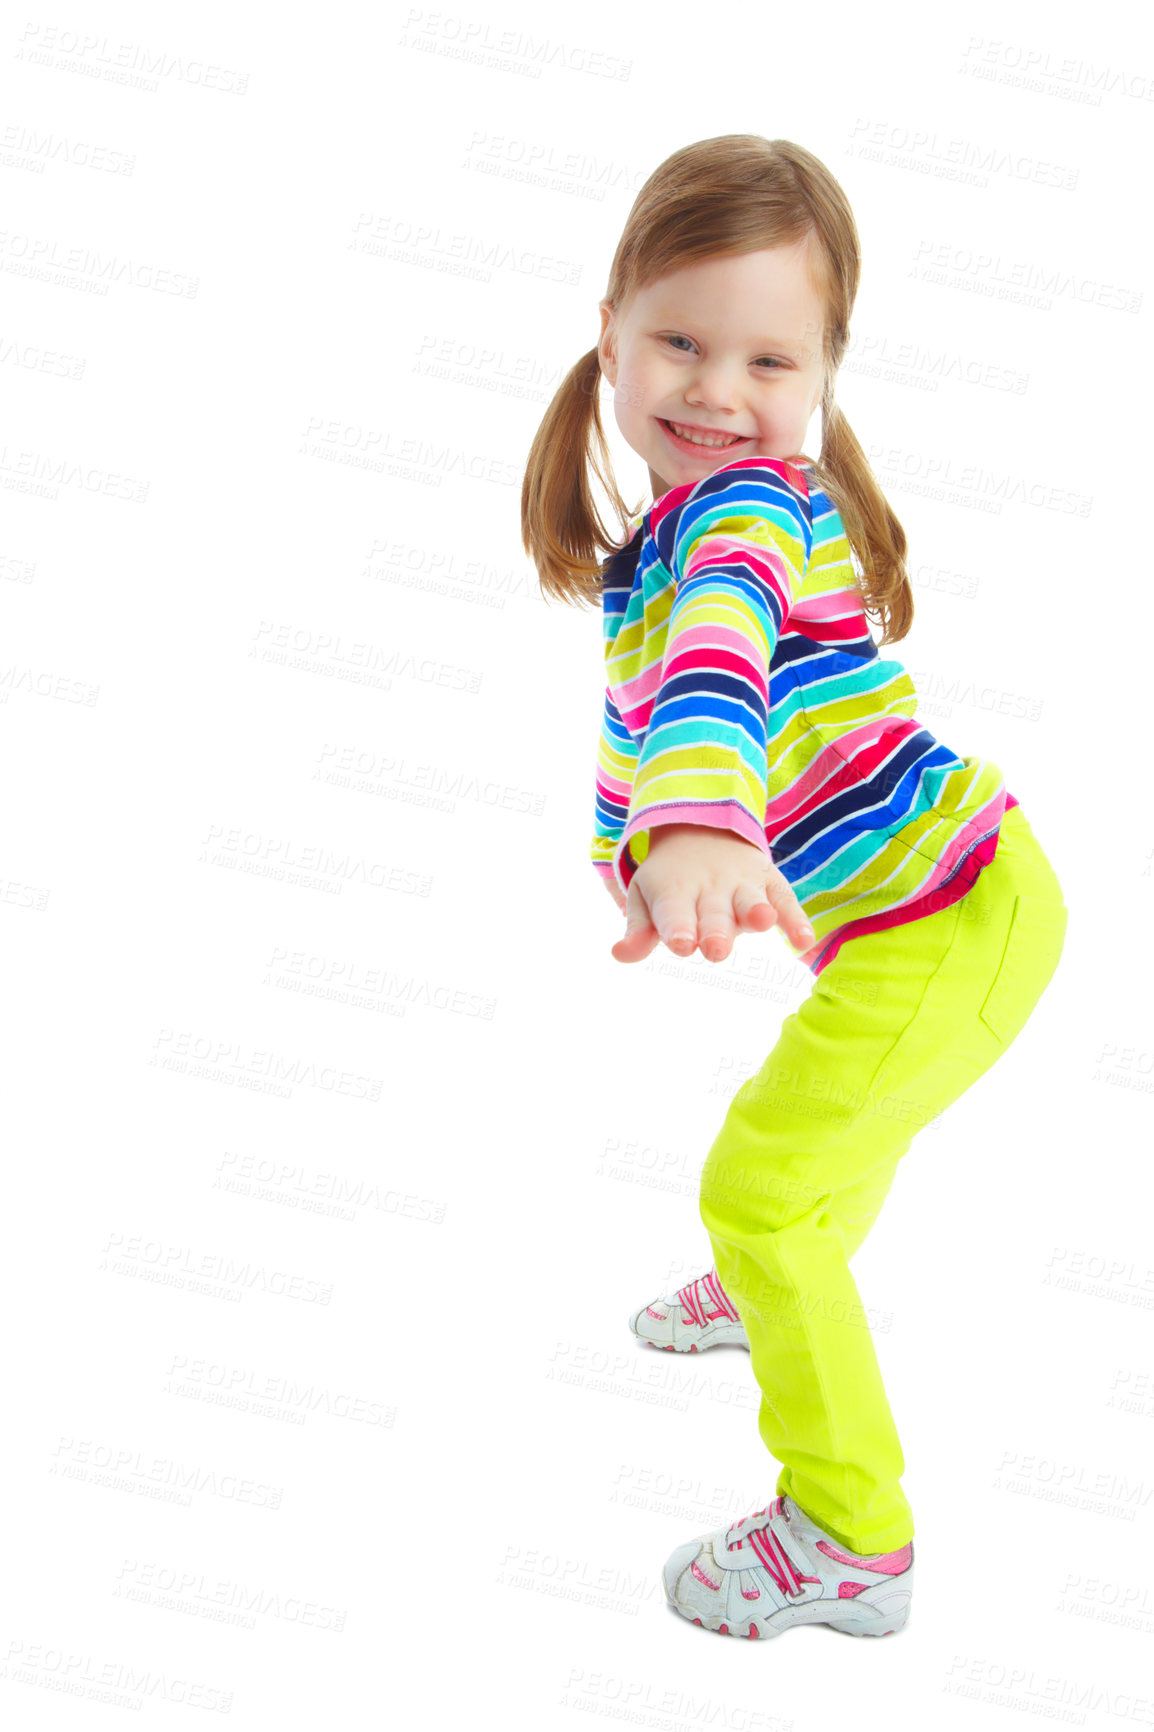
x: 728, y: 346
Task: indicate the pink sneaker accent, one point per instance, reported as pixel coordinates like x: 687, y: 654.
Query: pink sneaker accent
x: 768, y: 1549
x: 706, y: 1290
x: 763, y: 1557
x: 699, y: 1315
x: 885, y: 1564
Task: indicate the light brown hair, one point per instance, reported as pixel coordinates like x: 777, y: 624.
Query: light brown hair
x: 735, y: 194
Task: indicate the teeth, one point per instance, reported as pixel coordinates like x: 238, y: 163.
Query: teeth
x: 696, y: 437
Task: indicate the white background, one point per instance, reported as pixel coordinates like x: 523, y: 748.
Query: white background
x: 339, y: 1148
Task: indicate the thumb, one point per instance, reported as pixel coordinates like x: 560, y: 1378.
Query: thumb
x: 635, y: 906
x: 640, y: 935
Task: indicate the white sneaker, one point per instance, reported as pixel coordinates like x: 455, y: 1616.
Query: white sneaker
x: 776, y: 1568
x: 699, y: 1315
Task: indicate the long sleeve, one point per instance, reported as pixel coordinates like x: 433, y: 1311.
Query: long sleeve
x: 616, y: 766
x: 739, y: 555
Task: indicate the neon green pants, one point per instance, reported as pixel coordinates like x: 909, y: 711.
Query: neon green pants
x: 897, y: 1026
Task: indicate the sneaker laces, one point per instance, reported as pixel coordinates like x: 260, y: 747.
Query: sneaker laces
x: 706, y: 1299
x: 757, y: 1529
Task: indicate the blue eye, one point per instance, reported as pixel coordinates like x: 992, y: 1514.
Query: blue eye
x: 777, y: 365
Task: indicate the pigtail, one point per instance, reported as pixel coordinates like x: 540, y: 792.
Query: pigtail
x: 875, y: 535
x: 561, y: 530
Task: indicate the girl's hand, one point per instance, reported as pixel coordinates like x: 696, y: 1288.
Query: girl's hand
x: 616, y: 892
x: 701, y: 886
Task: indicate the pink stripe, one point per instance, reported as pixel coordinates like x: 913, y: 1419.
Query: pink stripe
x: 790, y: 473
x: 720, y: 1295
x: 635, y: 698
x: 687, y: 1298
x: 926, y: 902
x: 837, y: 604
x: 769, y: 1549
x: 890, y: 1564
x: 707, y: 641
x: 715, y: 548
x: 834, y: 632
x: 726, y: 816
x: 739, y: 658
x: 866, y: 748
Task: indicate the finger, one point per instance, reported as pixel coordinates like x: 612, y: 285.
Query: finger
x: 640, y: 935
x: 636, y: 945
x: 674, y: 913
x: 762, y: 907
x: 716, y: 924
x: 752, y: 910
x: 791, y: 914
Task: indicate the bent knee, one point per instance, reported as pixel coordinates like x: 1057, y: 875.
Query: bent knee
x: 756, y: 1192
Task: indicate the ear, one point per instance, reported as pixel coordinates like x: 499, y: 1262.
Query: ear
x: 607, y: 343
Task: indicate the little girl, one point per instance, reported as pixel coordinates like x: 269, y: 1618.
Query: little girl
x: 761, y: 764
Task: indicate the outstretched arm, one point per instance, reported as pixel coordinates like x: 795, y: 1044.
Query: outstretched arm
x: 738, y: 561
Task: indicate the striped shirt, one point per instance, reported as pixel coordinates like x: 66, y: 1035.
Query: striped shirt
x: 745, y: 692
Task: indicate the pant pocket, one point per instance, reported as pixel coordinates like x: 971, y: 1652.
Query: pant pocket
x: 1033, y: 947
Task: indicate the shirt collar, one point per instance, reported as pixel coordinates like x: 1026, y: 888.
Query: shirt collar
x: 636, y: 520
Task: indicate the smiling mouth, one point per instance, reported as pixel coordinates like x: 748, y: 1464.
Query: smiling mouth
x: 703, y: 438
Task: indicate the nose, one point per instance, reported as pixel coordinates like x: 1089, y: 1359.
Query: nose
x: 714, y: 389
